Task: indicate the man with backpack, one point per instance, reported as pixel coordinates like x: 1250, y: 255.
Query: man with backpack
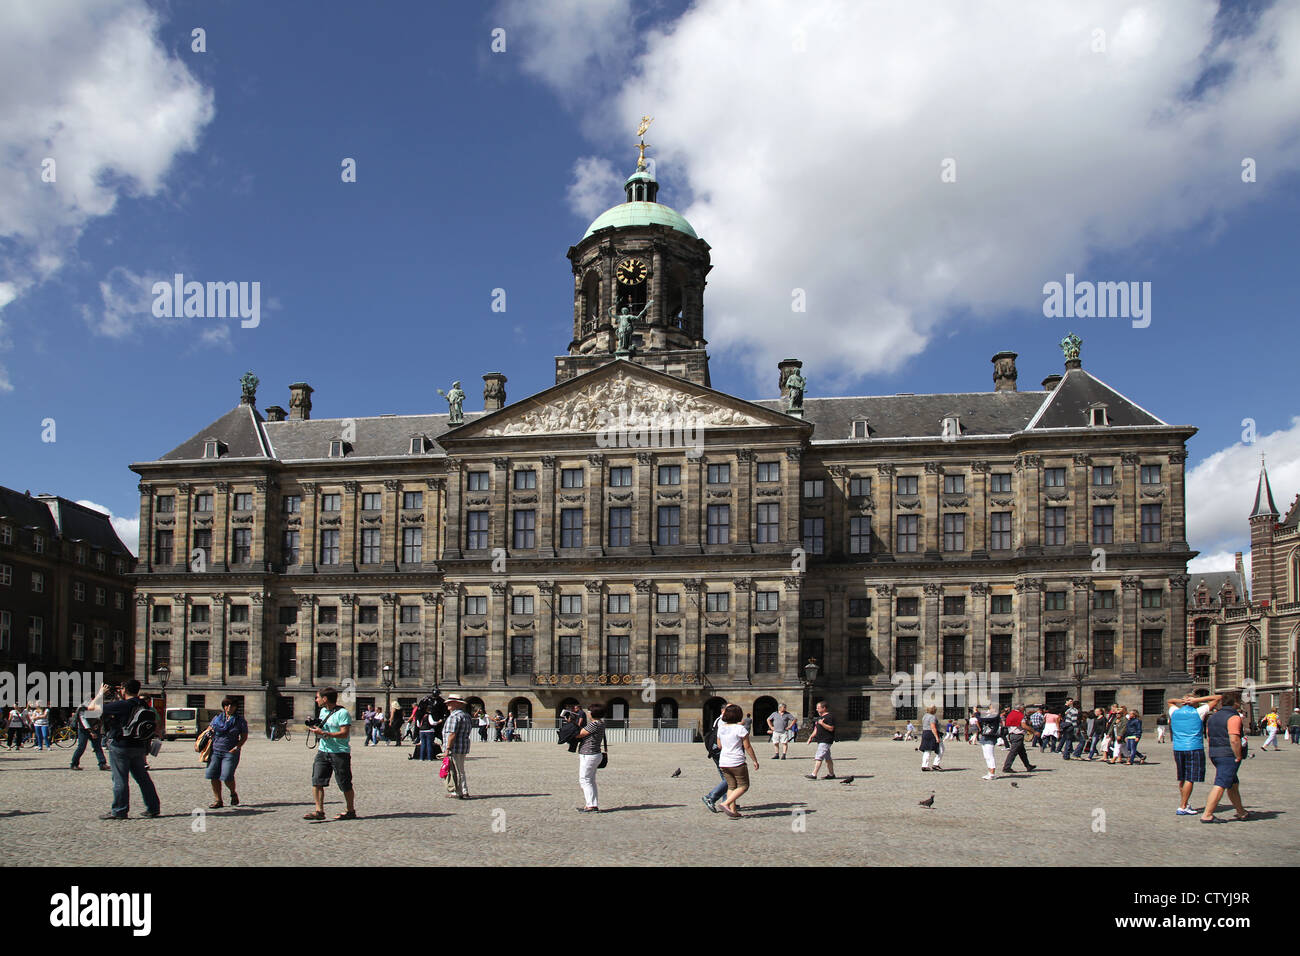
x: 129, y: 724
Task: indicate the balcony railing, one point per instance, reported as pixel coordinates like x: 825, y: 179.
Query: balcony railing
x: 618, y: 680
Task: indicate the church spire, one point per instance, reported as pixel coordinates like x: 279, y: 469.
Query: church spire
x: 1264, y: 506
x: 641, y: 185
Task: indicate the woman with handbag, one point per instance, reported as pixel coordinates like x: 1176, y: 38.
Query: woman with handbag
x: 733, y: 744
x: 591, y: 741
x: 229, y: 734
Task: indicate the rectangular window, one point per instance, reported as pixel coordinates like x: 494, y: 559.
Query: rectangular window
x: 1053, y: 526
x: 668, y: 603
x: 243, y: 501
x: 767, y: 601
x: 1000, y: 483
x: 78, y: 641
x: 619, y: 603
x: 521, y: 655
x: 38, y: 582
x: 1153, y: 701
x: 1102, y: 600
x: 859, y: 607
x: 814, y: 488
x: 570, y: 603
x: 717, y: 602
x: 1151, y: 640
x: 200, y: 614
x: 521, y: 604
x: 288, y: 660
x: 241, y: 546
x: 717, y: 655
x: 859, y: 707
x: 1000, y: 604
x: 475, y: 654
x: 1054, y: 651
x: 119, y: 601
x: 368, y: 660
x: 1053, y: 477
x: 408, y: 659
x: 859, y: 657
x: 370, y: 544
x: 412, y: 545
x: 907, y: 607
x: 769, y: 471
x: 1103, y: 524
x: 162, y: 548
x: 1103, y: 650
x: 290, y: 542
x: 162, y: 654
x: 954, y: 484
x: 478, y: 481
x: 78, y: 589
x: 368, y: 614
x: 239, y: 658
x: 954, y: 532
x: 571, y: 478
x: 1201, y: 632
x: 372, y: 501
x: 617, y: 654
x: 768, y: 524
x: 1000, y: 652
x: 1201, y: 668
x: 907, y: 484
x: 813, y: 608
x: 1000, y: 531
x: 412, y: 500
x: 1151, y: 597
x: 198, y: 658
x: 525, y: 529
x: 38, y: 544
x: 203, y: 503
x: 1103, y: 474
x: 908, y: 533
x: 620, y: 527
x: 719, y: 524
x: 100, y: 596
x: 239, y: 614
x: 1150, y: 523
x: 327, y: 614
x: 859, y: 487
x: 162, y: 613
x: 814, y: 535
x: 1150, y: 474
x: 906, y: 653
x: 620, y: 477
x: 476, y: 537
x: 119, y: 647
x: 954, y: 604
x: 571, y: 654
x: 409, y: 614
x: 288, y: 615
x: 719, y: 474
x: 476, y: 605
x: 329, y: 547
x: 6, y: 632
x: 670, y: 474
x: 670, y: 524
x: 163, y: 505
x: 666, y: 656
x: 1054, y: 601
x: 571, y: 528
x: 331, y: 502
x: 954, y: 654
x: 525, y: 479
x: 765, y: 654
x: 291, y: 504
x: 860, y: 535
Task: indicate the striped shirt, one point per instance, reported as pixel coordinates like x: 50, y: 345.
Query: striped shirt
x: 457, y: 723
x: 590, y: 744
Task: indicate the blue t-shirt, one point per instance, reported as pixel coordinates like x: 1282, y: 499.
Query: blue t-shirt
x: 226, y: 732
x: 334, y: 722
x: 1187, y: 724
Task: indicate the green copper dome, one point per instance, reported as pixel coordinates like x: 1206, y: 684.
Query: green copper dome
x: 641, y: 214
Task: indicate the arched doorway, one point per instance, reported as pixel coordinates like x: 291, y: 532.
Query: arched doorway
x: 522, y: 708
x: 712, y: 710
x: 764, y: 708
x: 616, y: 713
x: 666, y: 712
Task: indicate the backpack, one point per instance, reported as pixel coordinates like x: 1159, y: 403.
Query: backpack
x: 711, y: 741
x: 141, y: 726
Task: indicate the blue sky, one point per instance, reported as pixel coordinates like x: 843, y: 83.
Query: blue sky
x: 813, y: 168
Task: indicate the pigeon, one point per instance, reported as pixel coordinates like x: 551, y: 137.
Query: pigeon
x: 677, y: 772
x: 846, y: 781
x: 928, y: 802
x: 1014, y: 784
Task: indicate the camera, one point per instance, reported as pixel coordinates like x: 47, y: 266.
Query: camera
x: 313, y: 722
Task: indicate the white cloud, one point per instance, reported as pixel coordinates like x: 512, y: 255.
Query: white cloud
x: 128, y: 302
x: 88, y: 86
x: 595, y: 187
x: 1221, y: 493
x: 579, y: 48
x: 805, y: 143
x: 128, y: 529
x: 1218, y: 561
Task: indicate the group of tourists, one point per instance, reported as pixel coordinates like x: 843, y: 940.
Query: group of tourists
x: 27, y: 724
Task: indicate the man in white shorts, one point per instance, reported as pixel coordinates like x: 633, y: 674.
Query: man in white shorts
x: 778, y: 725
x: 823, y: 735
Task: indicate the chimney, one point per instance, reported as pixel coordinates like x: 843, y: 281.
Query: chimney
x: 494, y: 391
x: 787, y: 366
x: 1052, y: 381
x: 274, y: 413
x: 1004, y: 372
x: 300, y: 401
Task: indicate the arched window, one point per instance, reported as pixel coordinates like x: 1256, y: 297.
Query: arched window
x: 475, y: 704
x: 666, y: 712
x: 616, y: 713
x: 1250, y: 655
x: 1295, y: 575
x: 522, y: 708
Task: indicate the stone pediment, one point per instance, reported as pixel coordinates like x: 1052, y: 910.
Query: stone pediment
x: 627, y: 400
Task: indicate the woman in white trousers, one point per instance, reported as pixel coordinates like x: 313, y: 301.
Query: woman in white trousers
x: 591, y: 740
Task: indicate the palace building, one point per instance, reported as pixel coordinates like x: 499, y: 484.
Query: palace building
x: 632, y: 535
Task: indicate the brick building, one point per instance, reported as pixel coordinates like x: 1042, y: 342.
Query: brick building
x: 632, y: 523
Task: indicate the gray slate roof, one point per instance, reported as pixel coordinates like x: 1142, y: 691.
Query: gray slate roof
x: 237, y: 429
x: 1071, y: 399
x: 912, y: 416
x: 27, y: 512
x: 79, y: 523
x: 1214, y: 581
x: 380, y: 437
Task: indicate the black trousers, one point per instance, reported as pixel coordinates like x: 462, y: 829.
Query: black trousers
x: 1017, y: 742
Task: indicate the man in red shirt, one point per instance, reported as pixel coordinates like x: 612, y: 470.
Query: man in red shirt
x: 1015, y: 724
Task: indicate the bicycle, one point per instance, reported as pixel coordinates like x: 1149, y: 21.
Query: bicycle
x: 64, y: 736
x: 280, y: 730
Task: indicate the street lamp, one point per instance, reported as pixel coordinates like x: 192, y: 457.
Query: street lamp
x: 162, y: 673
x: 1080, y: 667
x: 809, y: 675
x: 388, y: 685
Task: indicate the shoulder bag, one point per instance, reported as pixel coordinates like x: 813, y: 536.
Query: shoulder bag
x: 604, y: 756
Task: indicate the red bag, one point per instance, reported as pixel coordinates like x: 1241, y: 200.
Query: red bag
x: 445, y: 768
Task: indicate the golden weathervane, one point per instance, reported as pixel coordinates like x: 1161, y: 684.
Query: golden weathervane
x: 643, y: 145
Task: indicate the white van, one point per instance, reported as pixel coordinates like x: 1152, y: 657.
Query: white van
x: 181, y: 722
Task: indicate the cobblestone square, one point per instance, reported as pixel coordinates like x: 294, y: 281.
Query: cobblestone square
x: 525, y: 796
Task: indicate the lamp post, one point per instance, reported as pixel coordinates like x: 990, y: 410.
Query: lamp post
x: 388, y: 686
x: 1080, y: 667
x: 162, y: 673
x: 809, y: 676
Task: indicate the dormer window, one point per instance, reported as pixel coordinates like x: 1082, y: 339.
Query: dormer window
x: 861, y: 429
x: 1097, y: 416
x: 951, y: 428
x: 419, y: 445
x: 211, y: 448
x: 337, y: 448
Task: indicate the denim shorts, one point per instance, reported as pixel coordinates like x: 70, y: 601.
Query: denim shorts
x: 340, y: 765
x: 222, y: 766
x: 1225, y: 771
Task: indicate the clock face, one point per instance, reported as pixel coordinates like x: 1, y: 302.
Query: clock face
x: 631, y: 271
